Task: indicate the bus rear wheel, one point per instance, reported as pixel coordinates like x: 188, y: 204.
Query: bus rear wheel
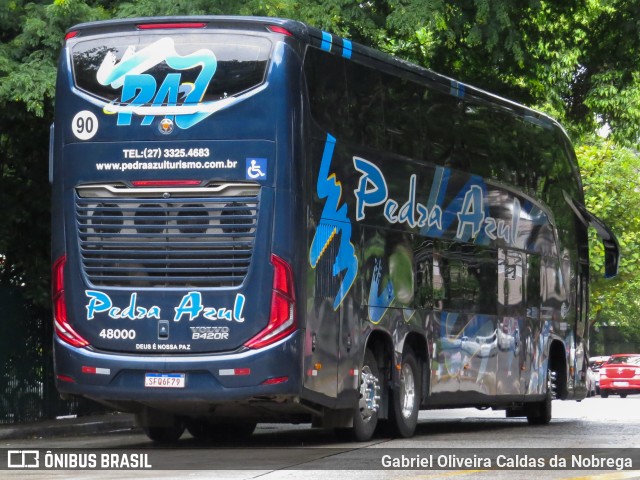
x: 164, y: 433
x: 365, y: 415
x: 405, y: 400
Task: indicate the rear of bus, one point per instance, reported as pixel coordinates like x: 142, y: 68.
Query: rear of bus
x: 174, y: 213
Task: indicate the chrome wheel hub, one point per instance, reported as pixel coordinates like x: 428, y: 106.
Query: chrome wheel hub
x: 369, y: 394
x: 407, y: 390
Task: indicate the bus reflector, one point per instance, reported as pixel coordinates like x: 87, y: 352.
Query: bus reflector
x: 153, y: 26
x: 65, y: 378
x: 282, y: 320
x: 275, y: 380
x: 60, y: 324
x: 70, y: 35
x: 96, y: 371
x: 276, y: 29
x: 165, y: 183
x: 232, y: 372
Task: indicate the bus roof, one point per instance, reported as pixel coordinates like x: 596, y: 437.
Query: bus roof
x: 336, y: 45
x: 312, y: 35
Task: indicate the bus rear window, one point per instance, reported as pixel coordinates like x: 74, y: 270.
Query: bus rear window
x: 177, y: 69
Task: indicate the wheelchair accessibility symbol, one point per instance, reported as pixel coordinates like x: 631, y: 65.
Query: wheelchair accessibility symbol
x: 256, y: 168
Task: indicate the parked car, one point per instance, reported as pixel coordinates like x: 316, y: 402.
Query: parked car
x: 620, y: 375
x: 593, y: 374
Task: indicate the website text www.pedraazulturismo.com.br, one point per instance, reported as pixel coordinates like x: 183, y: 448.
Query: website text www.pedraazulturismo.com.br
x: 166, y: 165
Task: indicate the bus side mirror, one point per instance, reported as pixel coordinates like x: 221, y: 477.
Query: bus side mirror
x: 609, y: 240
x: 611, y: 247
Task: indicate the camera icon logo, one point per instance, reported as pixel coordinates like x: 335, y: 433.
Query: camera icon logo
x: 23, y: 459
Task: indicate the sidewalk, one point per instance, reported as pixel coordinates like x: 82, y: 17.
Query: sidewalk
x: 88, y: 425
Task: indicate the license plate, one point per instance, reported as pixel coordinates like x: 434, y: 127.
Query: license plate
x: 164, y: 380
x: 620, y: 384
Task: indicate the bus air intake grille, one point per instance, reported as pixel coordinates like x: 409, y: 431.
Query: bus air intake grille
x: 167, y: 237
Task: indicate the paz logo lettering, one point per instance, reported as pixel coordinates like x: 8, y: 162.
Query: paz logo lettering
x: 141, y: 94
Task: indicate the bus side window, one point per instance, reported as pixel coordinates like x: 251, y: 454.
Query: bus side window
x: 469, y: 279
x: 490, y: 145
x: 403, y: 104
x: 440, y: 285
x: 437, y: 118
x: 325, y: 75
x: 532, y: 287
x: 423, y: 258
x: 366, y: 100
x: 510, y: 282
x: 484, y: 268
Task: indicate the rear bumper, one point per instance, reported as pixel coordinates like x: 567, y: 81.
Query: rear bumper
x: 209, y: 379
x: 620, y: 385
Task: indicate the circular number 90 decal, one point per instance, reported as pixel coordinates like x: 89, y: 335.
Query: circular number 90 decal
x: 84, y: 125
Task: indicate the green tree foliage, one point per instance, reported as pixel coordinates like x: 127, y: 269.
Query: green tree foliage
x: 573, y: 59
x: 31, y: 40
x: 610, y: 195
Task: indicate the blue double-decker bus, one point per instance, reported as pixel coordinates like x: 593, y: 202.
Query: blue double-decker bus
x: 255, y: 220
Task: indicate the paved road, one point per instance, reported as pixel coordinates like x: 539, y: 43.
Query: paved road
x: 293, y: 452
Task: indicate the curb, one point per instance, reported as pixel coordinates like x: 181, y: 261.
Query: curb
x: 69, y: 426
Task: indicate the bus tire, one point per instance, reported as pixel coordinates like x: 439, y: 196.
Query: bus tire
x: 539, y: 413
x: 604, y: 393
x: 365, y: 415
x: 199, y: 429
x: 165, y: 433
x: 202, y: 429
x: 623, y: 395
x: 405, y: 400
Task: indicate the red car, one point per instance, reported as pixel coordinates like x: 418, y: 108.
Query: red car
x: 620, y: 375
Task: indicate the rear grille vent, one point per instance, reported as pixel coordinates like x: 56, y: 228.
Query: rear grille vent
x: 149, y: 237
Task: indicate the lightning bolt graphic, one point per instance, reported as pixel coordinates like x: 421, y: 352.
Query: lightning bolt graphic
x: 334, y: 220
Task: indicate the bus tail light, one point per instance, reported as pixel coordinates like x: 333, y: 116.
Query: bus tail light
x: 60, y: 324
x: 275, y: 381
x: 282, y: 319
x: 65, y: 378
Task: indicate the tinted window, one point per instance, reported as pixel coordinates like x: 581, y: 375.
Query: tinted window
x: 489, y: 143
x: 363, y: 105
x: 510, y: 282
x: 366, y: 100
x: 327, y: 81
x: 404, y: 128
x: 465, y: 279
x: 423, y: 258
x: 180, y: 64
x: 421, y: 120
x: 533, y: 281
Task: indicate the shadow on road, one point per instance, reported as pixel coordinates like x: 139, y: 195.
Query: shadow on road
x: 429, y: 430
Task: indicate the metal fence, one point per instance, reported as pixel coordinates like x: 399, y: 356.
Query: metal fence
x: 27, y: 389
